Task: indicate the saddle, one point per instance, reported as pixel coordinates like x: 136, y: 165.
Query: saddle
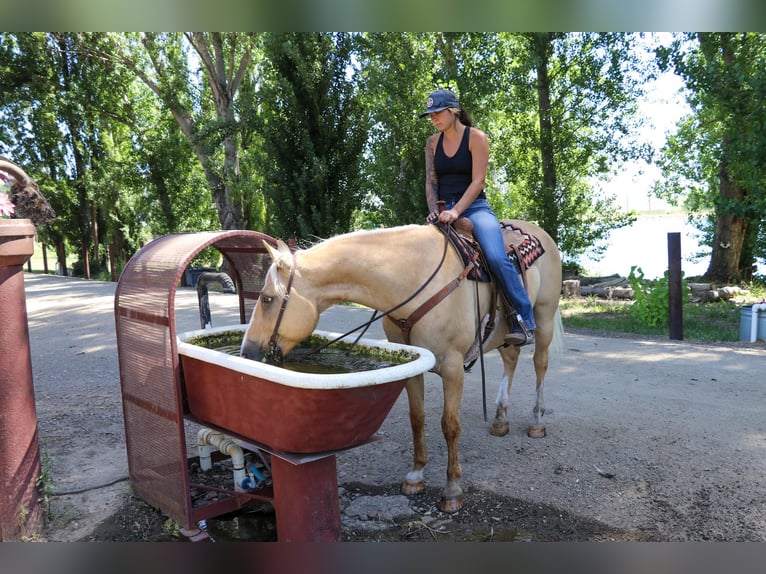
x: 523, y: 248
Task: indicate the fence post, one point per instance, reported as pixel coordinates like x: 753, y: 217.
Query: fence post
x: 675, y: 298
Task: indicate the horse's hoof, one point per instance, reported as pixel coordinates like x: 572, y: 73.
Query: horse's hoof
x: 452, y: 503
x: 499, y: 429
x: 536, y: 431
x: 416, y: 487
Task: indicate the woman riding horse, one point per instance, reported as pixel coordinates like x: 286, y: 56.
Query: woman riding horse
x: 456, y: 168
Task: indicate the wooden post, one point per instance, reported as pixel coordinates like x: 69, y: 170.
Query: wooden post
x: 306, y: 500
x: 571, y: 288
x: 675, y: 299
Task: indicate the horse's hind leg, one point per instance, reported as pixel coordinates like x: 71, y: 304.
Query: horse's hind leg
x: 510, y: 356
x: 414, y: 482
x: 537, y: 427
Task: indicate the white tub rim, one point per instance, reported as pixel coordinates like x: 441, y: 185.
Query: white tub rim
x: 424, y: 361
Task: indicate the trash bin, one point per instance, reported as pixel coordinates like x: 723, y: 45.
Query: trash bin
x: 746, y: 324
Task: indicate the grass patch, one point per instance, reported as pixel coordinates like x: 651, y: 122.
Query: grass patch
x: 711, y: 322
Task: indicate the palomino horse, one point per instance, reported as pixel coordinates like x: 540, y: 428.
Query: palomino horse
x: 383, y: 269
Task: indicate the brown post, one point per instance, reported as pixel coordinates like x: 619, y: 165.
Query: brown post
x: 306, y: 500
x: 675, y: 295
x: 21, y: 514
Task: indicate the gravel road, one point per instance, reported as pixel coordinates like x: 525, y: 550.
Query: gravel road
x: 659, y: 439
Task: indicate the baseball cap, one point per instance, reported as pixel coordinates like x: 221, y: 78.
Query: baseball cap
x: 440, y: 100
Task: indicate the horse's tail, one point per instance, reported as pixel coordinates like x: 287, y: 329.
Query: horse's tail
x: 556, y: 349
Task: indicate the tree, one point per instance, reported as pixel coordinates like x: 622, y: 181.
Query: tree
x: 314, y: 130
x: 395, y: 74
x: 211, y: 126
x: 63, y: 113
x: 714, y: 163
x: 559, y: 110
x: 400, y: 70
x: 568, y: 118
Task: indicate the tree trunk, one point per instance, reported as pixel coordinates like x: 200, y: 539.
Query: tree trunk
x: 730, y: 231
x: 61, y: 254
x: 549, y: 219
x: 85, y: 261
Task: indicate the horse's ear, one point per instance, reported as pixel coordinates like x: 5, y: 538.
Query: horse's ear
x: 279, y: 252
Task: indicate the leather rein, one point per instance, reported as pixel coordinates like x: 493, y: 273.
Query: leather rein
x: 275, y: 355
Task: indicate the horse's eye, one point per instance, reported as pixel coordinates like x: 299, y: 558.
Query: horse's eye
x: 267, y: 299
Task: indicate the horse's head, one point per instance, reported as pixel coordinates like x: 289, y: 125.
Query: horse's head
x: 282, y: 316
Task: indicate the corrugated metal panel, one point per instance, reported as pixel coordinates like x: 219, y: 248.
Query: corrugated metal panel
x: 152, y: 393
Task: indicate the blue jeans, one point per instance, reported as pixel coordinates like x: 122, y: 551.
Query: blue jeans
x: 486, y: 230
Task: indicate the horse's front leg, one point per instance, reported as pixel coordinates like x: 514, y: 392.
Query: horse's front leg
x: 452, y: 380
x: 500, y: 425
x: 414, y: 482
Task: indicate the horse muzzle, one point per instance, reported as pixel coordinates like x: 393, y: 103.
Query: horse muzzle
x: 255, y: 352
x: 252, y: 351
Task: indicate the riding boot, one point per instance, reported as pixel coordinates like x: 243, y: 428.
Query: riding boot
x: 521, y: 337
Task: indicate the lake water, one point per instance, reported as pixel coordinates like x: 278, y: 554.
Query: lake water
x: 645, y: 244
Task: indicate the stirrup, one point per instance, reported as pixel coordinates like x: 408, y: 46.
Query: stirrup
x: 520, y: 338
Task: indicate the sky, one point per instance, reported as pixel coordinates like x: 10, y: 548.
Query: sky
x: 663, y: 106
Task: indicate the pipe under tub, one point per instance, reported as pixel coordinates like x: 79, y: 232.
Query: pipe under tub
x: 754, y: 320
x: 207, y: 440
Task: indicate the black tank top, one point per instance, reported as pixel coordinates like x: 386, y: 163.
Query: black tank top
x: 454, y: 173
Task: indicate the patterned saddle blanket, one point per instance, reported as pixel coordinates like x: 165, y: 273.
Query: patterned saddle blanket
x: 522, y: 247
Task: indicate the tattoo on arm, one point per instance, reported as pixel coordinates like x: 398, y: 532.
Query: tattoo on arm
x: 432, y: 181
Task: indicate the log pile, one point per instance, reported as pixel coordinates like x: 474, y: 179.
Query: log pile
x: 709, y: 293
x: 611, y: 287
x: 616, y: 287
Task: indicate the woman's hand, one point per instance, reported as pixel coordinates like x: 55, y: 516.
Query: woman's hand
x: 448, y: 216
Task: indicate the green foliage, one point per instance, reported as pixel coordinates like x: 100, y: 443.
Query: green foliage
x: 714, y: 164
x: 44, y: 482
x: 395, y: 81
x: 713, y: 322
x: 208, y: 257
x: 566, y: 115
x: 651, y: 301
x: 314, y: 131
x: 131, y: 135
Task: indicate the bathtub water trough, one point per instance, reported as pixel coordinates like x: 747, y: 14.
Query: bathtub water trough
x: 301, y: 418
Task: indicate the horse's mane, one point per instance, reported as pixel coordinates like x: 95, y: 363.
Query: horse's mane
x: 363, y: 233
x: 279, y: 287
x: 284, y: 260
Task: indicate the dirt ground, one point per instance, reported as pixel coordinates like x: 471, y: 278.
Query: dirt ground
x: 649, y: 439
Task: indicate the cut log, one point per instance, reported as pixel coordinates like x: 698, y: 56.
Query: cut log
x: 608, y: 292
x: 571, y: 288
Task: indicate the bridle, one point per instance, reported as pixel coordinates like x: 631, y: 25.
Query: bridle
x: 275, y: 353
